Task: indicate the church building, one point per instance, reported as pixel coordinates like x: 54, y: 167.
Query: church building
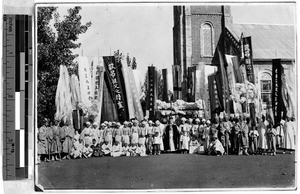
x: 199, y: 32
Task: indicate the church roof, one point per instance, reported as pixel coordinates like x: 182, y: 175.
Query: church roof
x: 268, y: 41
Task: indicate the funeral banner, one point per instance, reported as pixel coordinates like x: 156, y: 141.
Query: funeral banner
x: 152, y: 91
x: 138, y: 111
x: 237, y: 71
x: 99, y: 79
x: 213, y: 93
x: 177, y: 81
x: 165, y: 85
x: 224, y: 84
x: 248, y: 59
x: 191, y: 84
x: 277, y: 103
x: 128, y: 89
x: 115, y: 80
x: 288, y: 90
x: 85, y: 81
x: 200, y: 82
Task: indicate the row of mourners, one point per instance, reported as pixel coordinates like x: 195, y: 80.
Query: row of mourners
x: 229, y: 135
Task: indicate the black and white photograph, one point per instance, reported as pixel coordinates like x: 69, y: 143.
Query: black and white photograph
x: 165, y: 96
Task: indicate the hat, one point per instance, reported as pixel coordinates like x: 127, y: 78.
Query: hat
x: 135, y: 121
x: 88, y: 123
x: 144, y: 123
x: 157, y: 122
x: 103, y: 125
x: 105, y: 122
x: 95, y: 123
x: 197, y: 120
x: 203, y: 120
x: 150, y: 122
x: 125, y: 123
x: 190, y: 119
x: 231, y: 115
x: 208, y: 121
x: 183, y: 119
x: 118, y: 124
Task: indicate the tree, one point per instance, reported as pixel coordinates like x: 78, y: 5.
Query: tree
x: 54, y: 49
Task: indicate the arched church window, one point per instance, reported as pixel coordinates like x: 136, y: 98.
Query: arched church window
x: 207, y: 40
x: 265, y: 87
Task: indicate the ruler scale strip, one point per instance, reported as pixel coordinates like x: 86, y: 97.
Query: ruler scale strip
x: 17, y: 94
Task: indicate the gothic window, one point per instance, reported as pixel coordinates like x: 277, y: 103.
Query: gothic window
x: 266, y: 87
x: 207, y: 40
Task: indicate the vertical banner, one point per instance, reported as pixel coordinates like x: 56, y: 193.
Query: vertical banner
x: 191, y: 85
x: 98, y: 95
x: 138, y: 111
x: 109, y: 111
x: 114, y: 79
x: 288, y: 90
x: 152, y: 91
x: 200, y: 82
x: 276, y: 90
x: 131, y: 111
x: 85, y: 81
x: 237, y: 71
x: 165, y: 85
x: 248, y: 59
x: 213, y: 93
x: 225, y: 89
x: 177, y: 82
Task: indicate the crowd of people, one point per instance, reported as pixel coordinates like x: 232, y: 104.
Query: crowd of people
x: 230, y: 134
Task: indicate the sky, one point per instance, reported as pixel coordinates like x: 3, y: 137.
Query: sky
x: 145, y: 32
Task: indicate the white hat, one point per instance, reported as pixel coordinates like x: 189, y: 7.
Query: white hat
x: 125, y: 123
x: 150, y: 122
x: 197, y: 120
x: 118, y: 124
x: 203, y: 120
x: 103, y: 124
x: 208, y: 121
x: 157, y: 122
x: 183, y: 119
x: 88, y: 123
x: 95, y: 123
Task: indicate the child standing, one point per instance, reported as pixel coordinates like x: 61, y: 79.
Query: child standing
x: 156, y: 143
x: 253, y: 134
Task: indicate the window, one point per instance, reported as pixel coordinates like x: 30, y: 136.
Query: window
x: 206, y: 34
x: 266, y: 87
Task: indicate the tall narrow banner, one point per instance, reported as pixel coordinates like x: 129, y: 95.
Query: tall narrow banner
x: 152, y: 92
x: 225, y: 89
x: 114, y: 79
x: 177, y: 81
x: 276, y: 90
x: 288, y: 90
x: 237, y: 71
x: 200, y: 81
x: 213, y: 93
x: 231, y: 80
x: 85, y: 81
x: 138, y: 111
x: 248, y: 59
x: 109, y: 111
x: 99, y: 79
x: 191, y: 86
x: 165, y: 85
x: 93, y: 68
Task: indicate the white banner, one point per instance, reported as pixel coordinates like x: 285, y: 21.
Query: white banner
x: 85, y: 81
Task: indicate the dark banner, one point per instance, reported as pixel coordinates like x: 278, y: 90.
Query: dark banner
x: 248, y: 58
x: 191, y: 85
x: 152, y: 92
x: 165, y: 87
x: 116, y: 83
x: 213, y: 95
x: 277, y: 102
x: 177, y: 82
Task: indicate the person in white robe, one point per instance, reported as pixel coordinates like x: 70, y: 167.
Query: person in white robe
x: 289, y: 135
x: 116, y: 150
x: 86, y: 134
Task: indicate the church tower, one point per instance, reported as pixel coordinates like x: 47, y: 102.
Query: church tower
x: 197, y: 33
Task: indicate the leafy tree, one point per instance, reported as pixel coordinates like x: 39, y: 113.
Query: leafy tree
x: 54, y: 49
